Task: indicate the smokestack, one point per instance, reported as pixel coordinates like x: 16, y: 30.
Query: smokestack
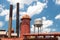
x: 10, y: 21
x: 17, y: 20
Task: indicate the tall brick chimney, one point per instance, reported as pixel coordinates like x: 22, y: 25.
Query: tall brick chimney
x: 17, y: 20
x: 25, y: 26
x: 10, y: 21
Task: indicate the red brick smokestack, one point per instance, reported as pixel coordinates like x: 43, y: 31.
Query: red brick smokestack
x: 17, y: 20
x: 10, y: 21
x: 25, y: 26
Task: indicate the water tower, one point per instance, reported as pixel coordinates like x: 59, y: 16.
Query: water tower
x: 38, y: 24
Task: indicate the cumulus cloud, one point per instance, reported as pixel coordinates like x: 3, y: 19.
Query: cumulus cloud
x: 6, y: 14
x: 36, y: 9
x: 1, y: 23
x: 57, y: 17
x: 57, y: 2
x: 31, y: 10
x: 46, y: 24
x: 22, y: 2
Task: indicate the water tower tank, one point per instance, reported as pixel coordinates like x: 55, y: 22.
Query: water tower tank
x: 38, y: 22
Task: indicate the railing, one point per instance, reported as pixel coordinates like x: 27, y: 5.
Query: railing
x: 41, y: 39
x: 41, y: 36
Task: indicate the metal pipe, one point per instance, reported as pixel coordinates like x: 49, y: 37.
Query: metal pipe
x: 10, y: 21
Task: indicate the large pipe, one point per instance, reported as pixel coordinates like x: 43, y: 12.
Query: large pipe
x: 10, y: 21
x: 17, y: 20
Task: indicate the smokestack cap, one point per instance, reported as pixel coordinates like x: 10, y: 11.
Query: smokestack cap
x: 25, y: 16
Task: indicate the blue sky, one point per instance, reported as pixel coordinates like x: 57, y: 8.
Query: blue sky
x: 48, y: 10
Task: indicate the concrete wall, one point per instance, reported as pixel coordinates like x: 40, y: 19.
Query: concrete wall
x: 58, y: 38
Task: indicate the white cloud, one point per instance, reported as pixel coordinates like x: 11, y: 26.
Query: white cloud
x: 6, y: 14
x: 57, y: 2
x: 32, y: 10
x: 1, y: 24
x: 46, y: 23
x: 13, y: 15
x: 57, y: 17
x: 36, y: 9
x: 44, y: 18
x: 46, y: 30
x: 22, y: 2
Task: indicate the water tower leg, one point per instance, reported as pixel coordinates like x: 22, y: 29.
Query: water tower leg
x: 34, y: 29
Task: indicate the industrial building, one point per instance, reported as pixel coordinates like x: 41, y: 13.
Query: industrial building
x: 24, y: 28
